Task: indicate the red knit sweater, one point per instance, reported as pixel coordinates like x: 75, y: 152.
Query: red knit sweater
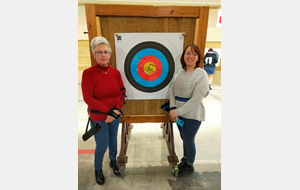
x: 102, y: 91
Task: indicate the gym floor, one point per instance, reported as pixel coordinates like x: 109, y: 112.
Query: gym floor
x: 147, y: 165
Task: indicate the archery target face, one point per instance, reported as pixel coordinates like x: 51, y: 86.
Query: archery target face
x: 147, y: 62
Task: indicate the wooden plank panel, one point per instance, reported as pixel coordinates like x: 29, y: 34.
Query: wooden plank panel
x: 136, y: 18
x: 111, y: 25
x: 144, y: 107
x: 196, y: 31
x: 91, y: 26
x: 189, y: 26
x: 146, y: 118
x: 98, y: 27
x: 204, y: 30
x: 165, y: 24
x: 203, y: 22
x: 147, y: 11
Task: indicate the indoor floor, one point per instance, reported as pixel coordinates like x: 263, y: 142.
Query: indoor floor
x: 147, y: 166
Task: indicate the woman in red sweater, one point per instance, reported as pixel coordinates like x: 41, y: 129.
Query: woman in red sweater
x: 104, y: 93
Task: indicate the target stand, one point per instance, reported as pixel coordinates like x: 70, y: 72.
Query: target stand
x: 147, y: 91
x: 147, y: 63
x: 167, y: 132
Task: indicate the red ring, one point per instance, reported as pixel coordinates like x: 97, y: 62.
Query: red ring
x: 145, y: 65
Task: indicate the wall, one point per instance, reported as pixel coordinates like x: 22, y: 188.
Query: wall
x: 213, y: 32
x: 210, y: 3
x: 84, y: 60
x: 213, y: 40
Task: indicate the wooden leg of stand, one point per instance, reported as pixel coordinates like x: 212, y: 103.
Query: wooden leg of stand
x: 163, y: 129
x: 169, y: 137
x: 122, y: 158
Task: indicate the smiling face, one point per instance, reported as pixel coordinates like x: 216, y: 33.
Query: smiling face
x: 190, y: 57
x: 102, y: 54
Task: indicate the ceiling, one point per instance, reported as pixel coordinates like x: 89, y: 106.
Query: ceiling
x: 211, y: 3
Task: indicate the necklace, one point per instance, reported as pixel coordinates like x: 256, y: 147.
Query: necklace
x: 103, y: 71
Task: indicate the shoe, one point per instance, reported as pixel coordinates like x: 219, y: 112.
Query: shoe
x: 186, y: 170
x: 183, y: 160
x: 114, y: 166
x: 99, y: 177
x: 209, y: 86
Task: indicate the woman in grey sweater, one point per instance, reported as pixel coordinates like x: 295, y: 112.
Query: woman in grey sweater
x: 187, y: 90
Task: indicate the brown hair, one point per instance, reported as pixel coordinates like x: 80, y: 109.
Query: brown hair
x: 196, y: 49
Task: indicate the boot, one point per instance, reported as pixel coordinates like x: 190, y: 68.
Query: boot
x: 99, y: 177
x: 115, y: 168
x: 185, y: 170
x: 183, y: 160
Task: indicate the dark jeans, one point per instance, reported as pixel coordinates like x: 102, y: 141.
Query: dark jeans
x: 187, y: 133
x: 106, y: 137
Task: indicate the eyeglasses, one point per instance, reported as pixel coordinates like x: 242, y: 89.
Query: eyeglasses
x: 189, y: 53
x: 101, y: 53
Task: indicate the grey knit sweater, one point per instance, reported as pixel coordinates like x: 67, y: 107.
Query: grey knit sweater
x: 193, y: 85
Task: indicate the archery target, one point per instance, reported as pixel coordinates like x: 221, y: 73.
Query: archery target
x: 147, y: 62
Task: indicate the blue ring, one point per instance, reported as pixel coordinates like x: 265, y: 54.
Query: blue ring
x: 146, y: 52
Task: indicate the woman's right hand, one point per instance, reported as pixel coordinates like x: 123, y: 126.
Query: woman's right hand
x: 111, y: 118
x: 172, y: 115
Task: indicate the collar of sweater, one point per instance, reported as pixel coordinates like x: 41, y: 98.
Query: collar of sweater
x: 104, y: 69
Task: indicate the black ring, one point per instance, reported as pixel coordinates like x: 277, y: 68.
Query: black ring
x: 140, y: 47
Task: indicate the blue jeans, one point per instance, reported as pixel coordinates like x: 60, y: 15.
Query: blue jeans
x: 106, y: 137
x: 187, y: 133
